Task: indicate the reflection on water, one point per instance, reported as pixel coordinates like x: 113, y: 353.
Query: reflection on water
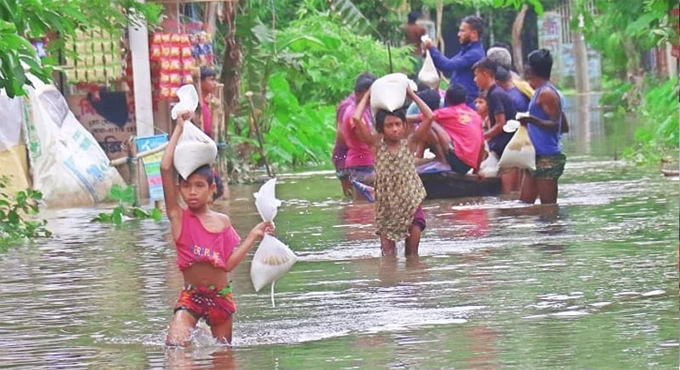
x: 591, y: 283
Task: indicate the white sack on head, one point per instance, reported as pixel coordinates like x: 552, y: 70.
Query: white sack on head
x: 271, y: 261
x: 188, y: 100
x: 266, y: 202
x: 520, y: 152
x: 428, y: 74
x: 194, y: 149
x: 389, y: 92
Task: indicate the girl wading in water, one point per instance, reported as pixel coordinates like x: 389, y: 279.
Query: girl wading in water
x: 398, y: 189
x: 208, y: 248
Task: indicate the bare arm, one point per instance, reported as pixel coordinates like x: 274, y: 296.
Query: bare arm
x: 497, y: 129
x: 363, y: 133
x: 549, y: 101
x: 170, y: 193
x: 255, y: 234
x: 428, y: 116
x: 565, y: 124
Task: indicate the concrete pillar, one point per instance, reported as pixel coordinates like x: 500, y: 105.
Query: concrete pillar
x: 141, y: 74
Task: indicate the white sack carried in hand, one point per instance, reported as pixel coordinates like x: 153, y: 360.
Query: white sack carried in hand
x: 520, y: 152
x: 266, y: 202
x: 188, y: 100
x: 194, y: 149
x: 389, y: 92
x: 271, y: 261
x: 489, y: 166
x: 428, y: 74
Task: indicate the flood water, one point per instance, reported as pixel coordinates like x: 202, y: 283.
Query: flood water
x: 591, y: 284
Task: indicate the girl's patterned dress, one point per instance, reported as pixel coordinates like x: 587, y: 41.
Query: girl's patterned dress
x: 398, y: 191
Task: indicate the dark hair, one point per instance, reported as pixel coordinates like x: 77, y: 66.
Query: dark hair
x: 540, y: 61
x: 476, y: 23
x: 363, y: 82
x: 413, y: 16
x: 456, y: 94
x: 431, y: 98
x: 382, y: 114
x: 204, y: 171
x: 502, y: 74
x: 487, y: 65
x: 207, y: 72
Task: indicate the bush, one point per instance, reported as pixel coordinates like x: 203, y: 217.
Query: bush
x: 14, y: 228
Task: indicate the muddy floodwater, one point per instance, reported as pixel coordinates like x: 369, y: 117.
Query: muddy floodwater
x: 591, y: 284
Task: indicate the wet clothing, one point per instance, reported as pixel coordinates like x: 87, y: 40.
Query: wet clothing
x: 419, y: 219
x: 363, y: 174
x: 498, y: 101
x: 196, y: 244
x: 398, y: 191
x: 546, y: 142
x: 464, y: 126
x: 549, y: 166
x: 358, y: 153
x: 340, y: 149
x: 215, y: 306
x: 459, y: 68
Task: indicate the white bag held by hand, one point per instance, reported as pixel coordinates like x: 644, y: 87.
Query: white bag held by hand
x: 489, y: 166
x: 271, y: 261
x: 389, y: 92
x: 266, y: 202
x: 188, y: 100
x: 428, y: 74
x: 194, y: 149
x: 519, y: 152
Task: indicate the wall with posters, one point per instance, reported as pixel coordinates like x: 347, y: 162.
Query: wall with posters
x: 109, y: 118
x: 554, y: 35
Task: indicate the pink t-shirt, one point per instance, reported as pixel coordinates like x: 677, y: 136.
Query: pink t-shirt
x: 196, y: 244
x: 464, y: 126
x: 358, y: 153
x: 207, y: 118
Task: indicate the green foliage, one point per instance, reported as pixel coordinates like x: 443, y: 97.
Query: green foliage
x: 125, y: 209
x: 322, y: 69
x: 659, y: 136
x: 622, y: 29
x: 14, y: 227
x: 21, y: 20
x: 299, y: 134
x: 297, y: 75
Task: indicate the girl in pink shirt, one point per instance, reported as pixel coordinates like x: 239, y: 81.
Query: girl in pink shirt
x: 208, y: 248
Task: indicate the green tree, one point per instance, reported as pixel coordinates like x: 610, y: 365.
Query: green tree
x: 622, y: 29
x: 23, y: 20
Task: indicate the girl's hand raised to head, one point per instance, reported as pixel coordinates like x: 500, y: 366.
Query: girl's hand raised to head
x: 266, y: 227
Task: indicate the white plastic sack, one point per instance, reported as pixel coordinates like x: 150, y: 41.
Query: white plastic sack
x: 194, y: 149
x: 520, y: 152
x: 68, y: 165
x: 271, y: 261
x: 266, y: 202
x: 389, y: 92
x: 188, y: 100
x: 428, y: 74
x: 489, y: 166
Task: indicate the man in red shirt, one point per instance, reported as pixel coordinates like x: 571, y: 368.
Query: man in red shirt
x: 464, y: 146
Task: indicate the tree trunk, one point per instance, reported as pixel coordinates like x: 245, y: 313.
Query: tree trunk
x: 231, y: 64
x: 517, y: 38
x: 580, y: 63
